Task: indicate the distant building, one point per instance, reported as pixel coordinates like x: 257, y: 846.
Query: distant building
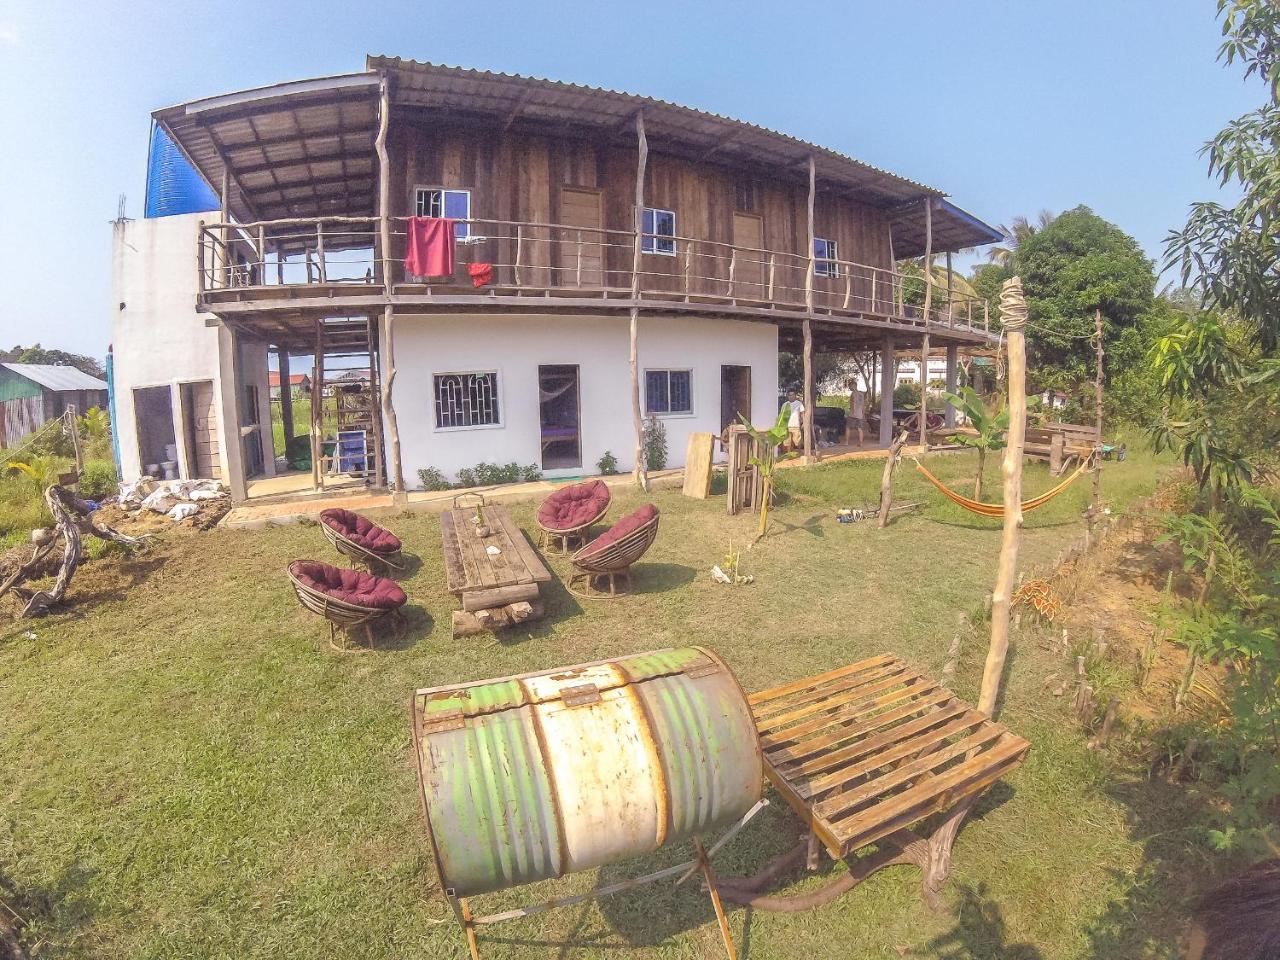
x: 299, y: 384
x: 31, y: 394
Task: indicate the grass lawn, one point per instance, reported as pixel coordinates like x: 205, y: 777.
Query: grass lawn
x: 189, y: 771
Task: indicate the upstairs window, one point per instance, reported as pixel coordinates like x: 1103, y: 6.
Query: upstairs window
x: 439, y: 202
x: 826, y: 254
x: 668, y: 391
x: 467, y: 400
x: 658, y: 229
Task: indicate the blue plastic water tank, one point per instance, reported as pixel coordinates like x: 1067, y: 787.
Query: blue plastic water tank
x: 173, y: 184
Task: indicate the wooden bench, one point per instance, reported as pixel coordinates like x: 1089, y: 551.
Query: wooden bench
x: 1060, y: 443
x: 863, y: 754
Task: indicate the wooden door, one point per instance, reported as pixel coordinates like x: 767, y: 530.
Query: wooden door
x: 581, y: 259
x: 749, y: 262
x: 203, y: 430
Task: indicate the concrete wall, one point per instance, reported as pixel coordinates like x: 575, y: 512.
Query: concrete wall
x: 159, y: 340
x: 515, y: 346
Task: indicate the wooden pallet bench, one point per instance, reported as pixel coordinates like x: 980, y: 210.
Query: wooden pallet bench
x: 865, y: 752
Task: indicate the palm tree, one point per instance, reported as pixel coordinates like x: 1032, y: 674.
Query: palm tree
x: 1018, y: 230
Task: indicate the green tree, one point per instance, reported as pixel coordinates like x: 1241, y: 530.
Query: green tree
x: 38, y: 354
x: 1077, y: 264
x: 992, y: 426
x: 1230, y: 254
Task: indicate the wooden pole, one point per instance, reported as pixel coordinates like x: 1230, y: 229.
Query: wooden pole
x: 886, y: 477
x: 317, y: 400
x: 640, y: 473
x: 924, y: 342
x: 286, y: 395
x: 705, y: 863
x: 224, y: 213
x: 950, y: 295
x: 73, y: 428
x: 1095, y: 508
x: 1013, y: 309
x: 808, y: 332
x: 388, y: 311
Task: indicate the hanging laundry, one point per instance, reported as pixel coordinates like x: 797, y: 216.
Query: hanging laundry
x: 429, y: 252
x: 481, y: 273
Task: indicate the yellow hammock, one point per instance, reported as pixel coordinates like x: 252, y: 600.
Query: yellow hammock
x: 996, y: 510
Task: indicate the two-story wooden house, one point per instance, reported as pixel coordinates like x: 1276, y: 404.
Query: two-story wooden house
x: 614, y: 259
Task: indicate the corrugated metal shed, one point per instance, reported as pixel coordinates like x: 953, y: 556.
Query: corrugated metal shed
x: 15, y: 387
x: 55, y: 377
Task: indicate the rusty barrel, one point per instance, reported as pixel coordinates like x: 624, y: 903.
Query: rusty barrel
x: 532, y: 777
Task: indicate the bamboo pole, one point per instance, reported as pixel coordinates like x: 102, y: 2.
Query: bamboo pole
x: 924, y: 342
x: 808, y: 331
x: 317, y: 399
x: 1095, y: 508
x: 388, y: 311
x: 1013, y: 309
x: 640, y: 473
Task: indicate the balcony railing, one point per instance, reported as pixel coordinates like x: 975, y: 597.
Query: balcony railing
x: 568, y: 261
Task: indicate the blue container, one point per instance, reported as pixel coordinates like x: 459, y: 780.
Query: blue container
x: 173, y: 185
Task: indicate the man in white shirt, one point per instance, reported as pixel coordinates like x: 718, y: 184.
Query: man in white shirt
x: 795, y: 423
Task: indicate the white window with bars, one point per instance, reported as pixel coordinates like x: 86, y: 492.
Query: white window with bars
x: 467, y: 400
x: 440, y: 202
x: 826, y: 254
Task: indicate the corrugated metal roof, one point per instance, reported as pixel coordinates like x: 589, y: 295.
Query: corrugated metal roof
x: 56, y: 377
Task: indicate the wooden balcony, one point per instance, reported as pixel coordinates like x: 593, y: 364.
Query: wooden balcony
x: 313, y: 267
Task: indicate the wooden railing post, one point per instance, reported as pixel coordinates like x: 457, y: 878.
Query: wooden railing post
x: 579, y: 270
x: 733, y: 269
x: 772, y: 265
x: 519, y: 251
x: 324, y: 276
x: 875, y: 304
x: 848, y: 286
x: 688, y: 265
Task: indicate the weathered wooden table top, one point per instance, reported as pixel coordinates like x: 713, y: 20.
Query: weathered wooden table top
x: 469, y: 564
x: 874, y: 747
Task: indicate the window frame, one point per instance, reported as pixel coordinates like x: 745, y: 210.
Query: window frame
x: 828, y: 263
x: 648, y: 412
x: 497, y: 392
x: 651, y: 241
x: 461, y: 231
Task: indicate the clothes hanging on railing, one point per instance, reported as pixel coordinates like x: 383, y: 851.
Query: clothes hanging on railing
x: 429, y: 252
x: 481, y: 273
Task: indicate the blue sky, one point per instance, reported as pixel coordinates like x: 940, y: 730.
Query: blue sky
x: 1011, y: 106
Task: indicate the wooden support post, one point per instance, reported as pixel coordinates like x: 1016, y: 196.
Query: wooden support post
x: 324, y: 274
x: 640, y: 473
x: 317, y: 401
x: 953, y: 357
x: 808, y: 332
x: 951, y: 301
x: 387, y: 334
x: 224, y: 211
x: 519, y: 251
x: 286, y: 395
x: 888, y: 373
x: 262, y: 255
x: 73, y: 429
x: 928, y: 306
x: 1095, y: 507
x: 1013, y: 309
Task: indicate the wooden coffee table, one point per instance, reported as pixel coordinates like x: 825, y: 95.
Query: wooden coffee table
x: 497, y: 589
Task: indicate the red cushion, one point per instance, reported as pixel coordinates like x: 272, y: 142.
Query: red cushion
x: 361, y: 531
x: 573, y: 506
x: 628, y: 524
x: 349, y: 586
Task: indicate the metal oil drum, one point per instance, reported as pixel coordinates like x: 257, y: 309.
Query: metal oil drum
x: 531, y: 777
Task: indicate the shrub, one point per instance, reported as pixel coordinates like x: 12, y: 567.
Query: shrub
x: 607, y: 464
x: 98, y: 481
x: 492, y: 474
x: 655, y: 444
x: 431, y: 479
x: 906, y: 396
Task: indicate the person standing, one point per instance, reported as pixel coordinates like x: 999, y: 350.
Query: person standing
x: 795, y: 423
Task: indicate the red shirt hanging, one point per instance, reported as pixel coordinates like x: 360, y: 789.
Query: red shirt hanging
x: 429, y: 252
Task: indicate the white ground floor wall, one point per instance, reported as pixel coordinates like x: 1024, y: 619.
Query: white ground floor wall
x: 515, y: 346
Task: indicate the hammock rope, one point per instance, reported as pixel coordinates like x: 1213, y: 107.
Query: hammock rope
x: 996, y: 510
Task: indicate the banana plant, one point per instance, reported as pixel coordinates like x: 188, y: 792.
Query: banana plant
x: 992, y: 427
x: 768, y: 441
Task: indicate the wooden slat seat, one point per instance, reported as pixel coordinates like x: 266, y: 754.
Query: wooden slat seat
x: 870, y: 749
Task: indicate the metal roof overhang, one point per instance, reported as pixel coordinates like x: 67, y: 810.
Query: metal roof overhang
x: 305, y: 148
x: 298, y: 149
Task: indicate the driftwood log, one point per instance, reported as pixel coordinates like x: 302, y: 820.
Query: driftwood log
x: 886, y: 479
x: 467, y: 623
x: 72, y: 519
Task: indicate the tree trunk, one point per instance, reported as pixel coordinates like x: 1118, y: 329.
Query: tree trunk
x: 982, y: 466
x: 886, y: 478
x: 1013, y: 308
